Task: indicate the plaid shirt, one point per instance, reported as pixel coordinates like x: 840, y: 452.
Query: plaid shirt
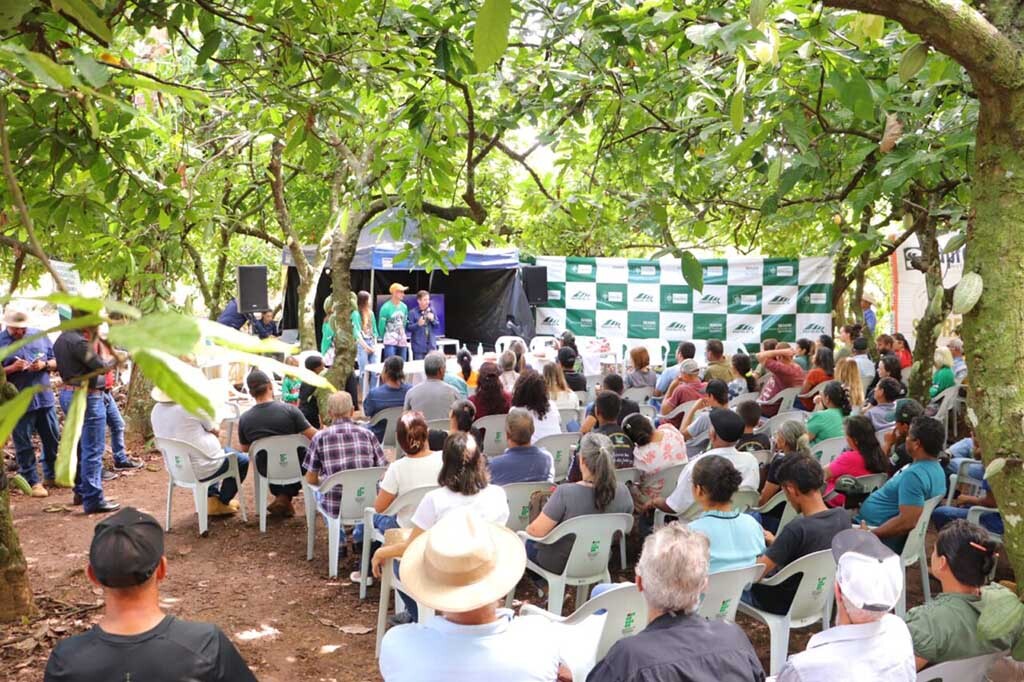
x: 342, y: 446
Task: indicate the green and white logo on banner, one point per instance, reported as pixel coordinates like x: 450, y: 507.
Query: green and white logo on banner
x: 815, y: 298
x: 612, y: 296
x: 781, y: 327
x: 709, y: 326
x: 781, y: 272
x: 581, y: 322
x: 643, y: 325
x: 581, y: 295
x: 612, y: 323
x: 715, y: 271
x: 644, y: 272
x: 556, y: 294
x: 677, y: 298
x: 550, y: 321
x: 580, y: 270
x: 676, y: 326
x: 744, y: 300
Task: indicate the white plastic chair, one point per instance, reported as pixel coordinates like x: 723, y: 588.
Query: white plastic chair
x: 914, y: 551
x: 964, y: 670
x: 392, y: 415
x: 784, y: 399
x: 560, y: 447
x: 880, y: 435
x: 409, y: 499
x: 811, y: 603
x: 680, y: 409
x: 518, y: 495
x: 540, y: 343
x: 648, y: 411
x: 284, y: 466
x: 628, y: 475
x: 389, y: 583
x: 721, y: 597
x: 744, y: 499
x: 670, y: 478
x: 493, y: 425
x: 827, y: 450
x: 641, y: 395
x: 818, y: 388
x: 948, y: 402
x: 774, y: 422
x: 960, y: 477
x: 569, y: 414
x: 439, y: 425
x: 588, y: 559
x: 974, y: 516
x: 504, y: 343
x: 743, y: 398
x: 584, y: 397
x: 177, y: 459
x: 359, y: 487
x: 788, y: 512
x: 762, y: 456
x: 590, y: 635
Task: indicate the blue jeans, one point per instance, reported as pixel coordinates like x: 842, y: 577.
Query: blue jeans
x: 976, y: 470
x: 990, y: 521
x: 388, y: 351
x: 363, y: 358
x: 226, y: 490
x: 115, y: 422
x: 962, y: 448
x: 44, y: 422
x: 90, y: 448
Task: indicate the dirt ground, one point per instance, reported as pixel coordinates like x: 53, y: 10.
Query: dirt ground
x: 246, y: 582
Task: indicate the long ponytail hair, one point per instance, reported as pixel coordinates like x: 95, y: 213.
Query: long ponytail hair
x: 862, y: 432
x: 741, y: 364
x: 794, y: 436
x: 596, y: 451
x: 838, y: 396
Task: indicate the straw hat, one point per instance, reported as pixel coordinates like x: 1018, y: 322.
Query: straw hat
x: 159, y: 396
x: 16, y: 318
x: 869, y: 297
x: 463, y: 563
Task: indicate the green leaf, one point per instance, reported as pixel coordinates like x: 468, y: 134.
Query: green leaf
x: 232, y: 338
x: 270, y: 365
x: 176, y: 90
x: 11, y: 12
x: 913, y: 61
x: 84, y: 13
x: 693, y: 273
x: 185, y: 384
x: 758, y: 11
x: 211, y: 43
x: 86, y: 303
x: 94, y: 73
x: 330, y: 78
x: 955, y: 243
x: 660, y: 214
x: 46, y: 71
x: 490, y: 37
x: 67, y: 451
x: 12, y: 410
x: 736, y: 111
x: 860, y: 96
x: 170, y: 332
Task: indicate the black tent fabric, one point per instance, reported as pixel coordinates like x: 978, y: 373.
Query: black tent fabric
x: 478, y: 303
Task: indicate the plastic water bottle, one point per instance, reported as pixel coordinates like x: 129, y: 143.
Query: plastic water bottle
x: 479, y: 349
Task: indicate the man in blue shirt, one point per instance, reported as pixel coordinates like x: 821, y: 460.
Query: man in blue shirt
x: 389, y: 393
x: 870, y: 320
x: 521, y: 462
x: 30, y: 366
x: 231, y: 317
x: 894, y: 509
x: 422, y: 326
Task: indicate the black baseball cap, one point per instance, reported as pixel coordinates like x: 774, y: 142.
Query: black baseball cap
x: 727, y: 424
x: 719, y: 389
x: 566, y: 356
x: 126, y: 548
x: 907, y: 409
x: 256, y: 381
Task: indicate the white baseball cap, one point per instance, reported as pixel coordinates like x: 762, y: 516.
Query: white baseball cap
x: 869, y: 574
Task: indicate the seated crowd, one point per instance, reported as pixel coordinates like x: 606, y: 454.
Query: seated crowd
x: 457, y: 557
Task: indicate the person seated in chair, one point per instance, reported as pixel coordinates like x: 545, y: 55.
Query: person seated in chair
x: 750, y: 411
x: 611, y: 383
x: 521, y: 462
x: 135, y: 640
x: 678, y: 644
x: 389, y: 393
x: 736, y: 538
x: 269, y: 417
x: 894, y: 509
x: 686, y: 387
x: 607, y: 409
x: 433, y: 397
x: 883, y: 413
x: 697, y: 422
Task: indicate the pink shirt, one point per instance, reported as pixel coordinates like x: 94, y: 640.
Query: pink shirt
x: 850, y: 463
x: 783, y: 375
x: 654, y: 457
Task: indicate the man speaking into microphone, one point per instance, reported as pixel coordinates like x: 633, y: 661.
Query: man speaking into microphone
x: 422, y: 326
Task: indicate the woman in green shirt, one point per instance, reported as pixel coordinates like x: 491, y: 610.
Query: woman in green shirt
x: 943, y: 376
x: 364, y: 328
x: 946, y: 628
x: 828, y: 422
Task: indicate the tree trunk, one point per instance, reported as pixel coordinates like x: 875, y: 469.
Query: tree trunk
x: 15, y: 592
x: 994, y: 328
x: 926, y: 329
x: 343, y: 249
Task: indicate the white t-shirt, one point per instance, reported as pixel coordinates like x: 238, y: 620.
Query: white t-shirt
x: 550, y: 425
x: 681, y: 498
x: 567, y: 400
x: 171, y: 420
x: 408, y: 473
x: 523, y: 649
x: 490, y: 504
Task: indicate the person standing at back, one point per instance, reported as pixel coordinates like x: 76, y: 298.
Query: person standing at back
x: 391, y: 322
x: 135, y: 640
x: 422, y: 326
x: 364, y: 328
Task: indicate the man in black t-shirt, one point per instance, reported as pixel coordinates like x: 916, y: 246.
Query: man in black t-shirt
x: 269, y: 417
x: 606, y: 410
x: 802, y: 479
x: 135, y: 640
x: 567, y: 359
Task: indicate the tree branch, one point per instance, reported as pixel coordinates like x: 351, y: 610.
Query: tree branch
x: 284, y: 218
x: 956, y: 29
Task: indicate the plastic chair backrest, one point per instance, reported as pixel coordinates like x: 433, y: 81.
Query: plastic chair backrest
x: 593, y: 542
x: 560, y: 447
x: 541, y: 342
x: 177, y: 459
x: 745, y: 498
x: 392, y: 415
x: 626, y: 615
x: 721, y: 597
x: 284, y: 456
x: 743, y: 398
x: 504, y: 343
x: 584, y: 397
x: 667, y: 477
x: 963, y: 670
x: 818, y: 574
x: 408, y: 499
x: 493, y: 426
x: 359, y: 489
x: 439, y: 424
x: 648, y: 411
x: 518, y: 495
x: 639, y: 394
x: 827, y: 450
x: 914, y: 546
x: 818, y: 388
x: 680, y: 409
x: 869, y: 483
x: 568, y: 414
x: 880, y: 435
x: 776, y: 421
x: 762, y: 456
x: 946, y: 400
x: 628, y: 475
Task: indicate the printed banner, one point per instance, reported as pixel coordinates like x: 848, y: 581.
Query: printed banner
x: 744, y: 299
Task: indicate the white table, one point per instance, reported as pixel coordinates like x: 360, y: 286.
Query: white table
x: 443, y: 343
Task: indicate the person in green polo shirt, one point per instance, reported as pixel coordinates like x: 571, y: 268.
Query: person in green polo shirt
x: 946, y: 628
x: 828, y: 422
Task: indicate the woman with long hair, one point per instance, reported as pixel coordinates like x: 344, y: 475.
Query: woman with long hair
x: 490, y: 397
x: 507, y: 361
x: 827, y: 422
x: 460, y: 419
x: 597, y: 493
x: 743, y: 379
x: 656, y: 449
x: 863, y: 457
x: 847, y: 334
x: 364, y: 328
x: 466, y: 371
x: 903, y: 350
x: 848, y: 374
x: 519, y: 348
x: 789, y: 439
x: 888, y: 368
x: 736, y: 538
x: 531, y: 394
x: 821, y: 372
x: 558, y: 390
x: 804, y: 353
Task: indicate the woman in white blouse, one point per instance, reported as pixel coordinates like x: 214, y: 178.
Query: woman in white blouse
x: 558, y: 390
x: 531, y: 394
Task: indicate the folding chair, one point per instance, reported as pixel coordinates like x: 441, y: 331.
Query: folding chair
x: 914, y: 551
x: 391, y: 415
x: 284, y: 465
x: 359, y: 486
x: 964, y: 670
x: 773, y: 423
x: 592, y: 629
x: 721, y: 597
x: 784, y: 398
x: 588, y: 559
x: 743, y: 398
x: 518, y: 495
x: 560, y: 447
x: 811, y: 603
x: 410, y: 499
x: 827, y: 450
x: 493, y: 427
x: 180, y: 473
